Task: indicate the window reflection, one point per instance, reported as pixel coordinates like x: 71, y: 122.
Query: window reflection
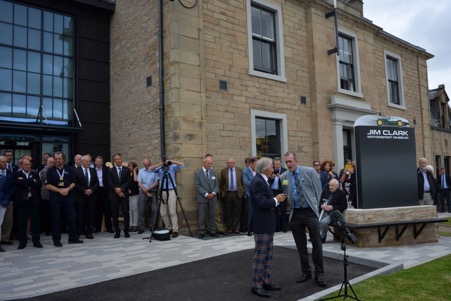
x: 36, y: 64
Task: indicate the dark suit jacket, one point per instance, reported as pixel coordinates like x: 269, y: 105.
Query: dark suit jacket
x: 448, y: 181
x: 280, y: 172
x: 336, y: 199
x: 224, y: 182
x: 7, y: 188
x: 80, y: 184
x: 262, y: 206
x: 114, y: 181
x: 105, y: 176
x: 25, y: 185
x: 430, y: 177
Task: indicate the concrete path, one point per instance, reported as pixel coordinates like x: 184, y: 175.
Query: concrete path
x: 31, y: 272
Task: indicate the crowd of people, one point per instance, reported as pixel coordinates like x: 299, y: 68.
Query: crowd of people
x: 82, y: 199
x: 432, y: 190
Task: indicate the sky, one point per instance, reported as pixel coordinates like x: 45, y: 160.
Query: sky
x: 424, y: 23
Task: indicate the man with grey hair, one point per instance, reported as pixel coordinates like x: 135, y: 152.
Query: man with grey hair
x: 207, y: 189
x: 426, y: 184
x: 332, y: 199
x: 304, y: 192
x: 263, y: 224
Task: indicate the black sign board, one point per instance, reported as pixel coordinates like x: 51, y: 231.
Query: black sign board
x: 386, y: 165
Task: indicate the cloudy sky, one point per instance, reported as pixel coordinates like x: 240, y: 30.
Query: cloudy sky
x: 424, y: 23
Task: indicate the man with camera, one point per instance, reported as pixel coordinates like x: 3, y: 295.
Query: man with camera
x: 166, y: 170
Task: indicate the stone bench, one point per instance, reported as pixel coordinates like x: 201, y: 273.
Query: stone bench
x: 393, y: 226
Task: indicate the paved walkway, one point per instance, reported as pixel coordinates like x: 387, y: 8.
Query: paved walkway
x: 31, y: 272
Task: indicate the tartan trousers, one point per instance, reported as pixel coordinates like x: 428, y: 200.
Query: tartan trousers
x: 261, y: 263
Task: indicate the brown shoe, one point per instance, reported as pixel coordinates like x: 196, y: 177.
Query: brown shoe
x: 175, y: 234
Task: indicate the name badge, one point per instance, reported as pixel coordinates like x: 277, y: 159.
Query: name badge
x: 213, y: 178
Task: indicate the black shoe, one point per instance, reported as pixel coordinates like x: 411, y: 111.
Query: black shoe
x: 6, y: 242
x: 21, y: 246
x: 175, y: 234
x: 261, y: 292
x: 118, y: 234
x: 2, y: 250
x: 319, y: 280
x: 110, y: 231
x: 323, y: 240
x: 89, y: 236
x: 249, y: 233
x: 140, y: 231
x: 214, y: 235
x: 126, y: 235
x: 37, y: 245
x: 272, y: 287
x: 71, y: 242
x: 304, y: 277
x: 58, y: 244
x: 201, y: 235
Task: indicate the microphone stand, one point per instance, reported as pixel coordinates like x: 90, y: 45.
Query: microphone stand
x: 345, y: 284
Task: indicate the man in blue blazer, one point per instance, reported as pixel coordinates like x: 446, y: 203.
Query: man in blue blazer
x: 246, y: 213
x: 304, y: 193
x: 263, y: 224
x: 6, y: 190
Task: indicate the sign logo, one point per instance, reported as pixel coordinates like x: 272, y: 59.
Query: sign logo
x: 390, y: 122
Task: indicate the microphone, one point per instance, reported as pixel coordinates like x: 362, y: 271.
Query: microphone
x: 285, y: 186
x: 338, y: 220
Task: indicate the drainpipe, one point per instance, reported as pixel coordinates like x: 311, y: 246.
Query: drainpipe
x: 161, y: 81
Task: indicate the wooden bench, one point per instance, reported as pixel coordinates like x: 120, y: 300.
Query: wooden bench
x: 401, y: 226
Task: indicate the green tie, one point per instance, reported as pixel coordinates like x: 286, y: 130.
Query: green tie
x: 299, y: 189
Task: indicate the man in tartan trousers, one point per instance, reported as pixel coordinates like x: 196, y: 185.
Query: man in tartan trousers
x: 263, y: 224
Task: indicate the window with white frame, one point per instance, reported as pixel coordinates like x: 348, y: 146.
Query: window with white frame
x: 346, y: 59
x: 348, y: 64
x: 394, y: 79
x: 266, y: 56
x: 269, y: 134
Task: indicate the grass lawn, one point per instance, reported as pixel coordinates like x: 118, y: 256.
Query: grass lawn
x: 430, y: 281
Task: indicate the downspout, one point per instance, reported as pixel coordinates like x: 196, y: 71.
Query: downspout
x: 161, y: 80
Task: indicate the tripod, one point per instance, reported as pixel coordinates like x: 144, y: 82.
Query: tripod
x: 165, y: 188
x: 345, y: 284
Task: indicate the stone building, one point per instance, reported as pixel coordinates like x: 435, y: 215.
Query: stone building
x: 440, y: 129
x: 240, y: 78
x: 254, y: 77
x: 54, y: 77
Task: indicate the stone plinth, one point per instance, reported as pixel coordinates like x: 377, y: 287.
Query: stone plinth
x: 368, y: 237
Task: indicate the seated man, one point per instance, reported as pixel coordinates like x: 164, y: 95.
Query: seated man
x: 332, y: 199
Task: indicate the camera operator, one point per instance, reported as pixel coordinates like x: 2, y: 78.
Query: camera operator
x: 166, y: 170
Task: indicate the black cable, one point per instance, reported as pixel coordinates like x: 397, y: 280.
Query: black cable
x: 186, y: 6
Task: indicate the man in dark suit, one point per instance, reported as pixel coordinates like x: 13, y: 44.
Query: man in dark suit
x: 276, y: 186
x: 332, y: 199
x: 427, y: 189
x: 246, y: 214
x: 304, y: 192
x: 85, y: 196
x: 60, y: 182
x: 232, y: 191
x: 444, y: 183
x: 7, y: 189
x: 8, y: 221
x: 263, y: 224
x: 118, y: 183
x: 26, y: 201
x: 103, y: 206
x: 206, y: 184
